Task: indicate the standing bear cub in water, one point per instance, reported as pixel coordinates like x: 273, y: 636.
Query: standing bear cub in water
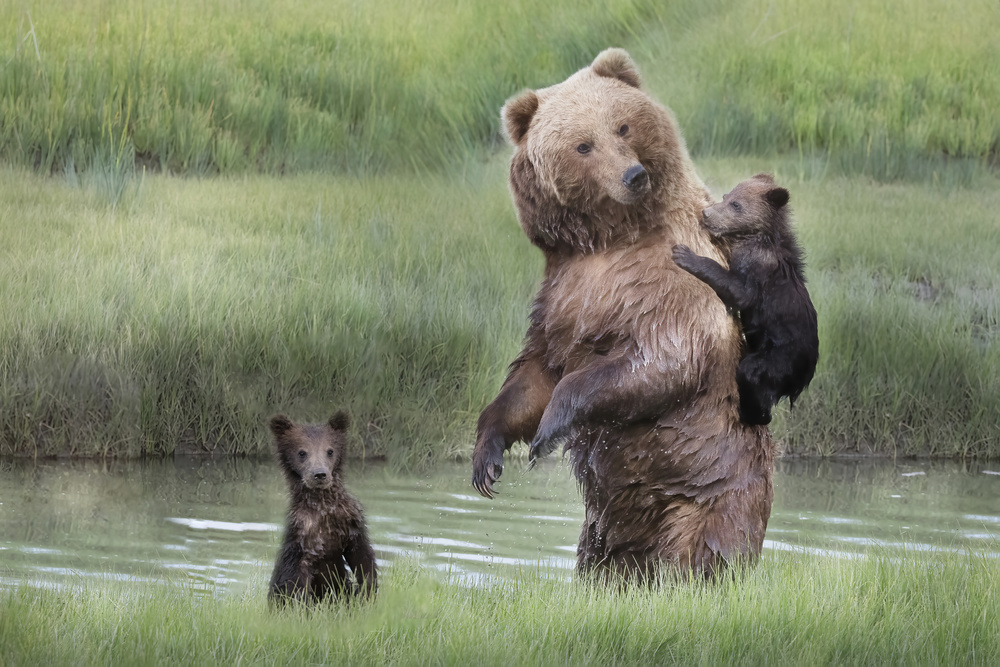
x: 766, y: 285
x: 326, y: 532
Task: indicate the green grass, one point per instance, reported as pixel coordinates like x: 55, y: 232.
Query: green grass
x: 150, y: 315
x: 894, y: 608
x: 231, y: 87
x: 205, y: 87
x: 889, y: 90
x: 180, y: 319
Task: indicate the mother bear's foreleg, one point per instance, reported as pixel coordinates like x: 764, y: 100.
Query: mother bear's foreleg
x: 512, y: 416
x: 615, y: 390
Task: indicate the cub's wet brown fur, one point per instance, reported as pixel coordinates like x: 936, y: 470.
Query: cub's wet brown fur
x: 628, y: 360
x: 765, y: 283
x: 326, y: 532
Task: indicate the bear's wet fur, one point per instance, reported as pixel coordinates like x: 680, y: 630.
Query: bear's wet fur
x: 325, y: 534
x: 629, y: 360
x: 766, y: 284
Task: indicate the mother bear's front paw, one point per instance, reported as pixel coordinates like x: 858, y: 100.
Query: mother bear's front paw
x: 486, y: 471
x: 546, y: 439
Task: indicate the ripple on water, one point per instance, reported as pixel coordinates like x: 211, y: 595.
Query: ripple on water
x: 219, y: 523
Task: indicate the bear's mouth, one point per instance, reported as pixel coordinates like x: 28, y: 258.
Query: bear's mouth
x: 315, y: 483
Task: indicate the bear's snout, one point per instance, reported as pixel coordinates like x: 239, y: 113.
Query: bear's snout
x: 636, y: 178
x: 318, y: 478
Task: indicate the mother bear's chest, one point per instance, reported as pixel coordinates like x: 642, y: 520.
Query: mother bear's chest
x: 633, y: 300
x: 594, y: 304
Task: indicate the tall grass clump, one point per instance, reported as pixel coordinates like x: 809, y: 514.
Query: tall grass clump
x: 890, y: 90
x: 891, y: 609
x: 180, y: 324
x: 283, y: 86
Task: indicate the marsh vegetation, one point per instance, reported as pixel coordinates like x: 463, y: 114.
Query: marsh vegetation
x: 208, y: 218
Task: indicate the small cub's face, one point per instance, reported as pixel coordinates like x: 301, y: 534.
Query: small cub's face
x: 748, y: 209
x: 311, y: 453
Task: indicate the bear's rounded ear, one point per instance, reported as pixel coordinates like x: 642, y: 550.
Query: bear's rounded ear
x: 280, y: 424
x: 340, y: 421
x: 517, y: 114
x: 763, y: 176
x: 617, y: 64
x: 777, y: 197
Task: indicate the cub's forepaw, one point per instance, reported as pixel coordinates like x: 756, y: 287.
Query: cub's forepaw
x: 682, y: 255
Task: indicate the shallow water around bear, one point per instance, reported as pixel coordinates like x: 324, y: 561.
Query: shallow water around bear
x: 217, y: 524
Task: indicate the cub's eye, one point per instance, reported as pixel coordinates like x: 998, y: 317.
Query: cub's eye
x: 583, y: 149
x: 735, y: 206
x: 623, y: 130
x: 302, y: 454
x: 329, y: 453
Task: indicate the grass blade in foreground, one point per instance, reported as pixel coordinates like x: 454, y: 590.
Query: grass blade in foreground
x: 900, y: 607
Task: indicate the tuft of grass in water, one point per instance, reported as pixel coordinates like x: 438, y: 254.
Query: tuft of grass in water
x: 895, y: 607
x: 181, y: 322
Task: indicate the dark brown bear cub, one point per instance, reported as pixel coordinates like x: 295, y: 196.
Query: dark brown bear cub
x: 326, y: 532
x: 766, y: 285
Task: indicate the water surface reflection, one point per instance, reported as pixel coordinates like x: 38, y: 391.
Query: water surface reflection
x: 218, y: 523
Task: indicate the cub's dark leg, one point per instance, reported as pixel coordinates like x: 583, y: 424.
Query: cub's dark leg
x: 757, y: 396
x: 727, y: 285
x: 287, y: 581
x: 360, y: 558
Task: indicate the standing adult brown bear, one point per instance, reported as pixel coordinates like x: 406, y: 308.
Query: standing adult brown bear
x: 628, y: 359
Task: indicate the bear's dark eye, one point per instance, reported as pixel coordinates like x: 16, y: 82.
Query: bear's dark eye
x: 623, y: 130
x: 329, y: 453
x: 583, y: 149
x: 736, y: 206
x: 302, y: 454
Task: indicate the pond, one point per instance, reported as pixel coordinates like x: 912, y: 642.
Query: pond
x: 217, y: 524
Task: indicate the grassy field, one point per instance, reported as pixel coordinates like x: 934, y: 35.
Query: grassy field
x: 897, y: 608
x: 181, y: 319
x: 356, y: 246
x: 207, y: 87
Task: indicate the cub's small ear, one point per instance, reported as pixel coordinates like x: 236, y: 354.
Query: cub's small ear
x: 777, y: 197
x: 340, y: 421
x: 517, y: 114
x: 280, y: 424
x: 763, y: 176
x: 617, y: 64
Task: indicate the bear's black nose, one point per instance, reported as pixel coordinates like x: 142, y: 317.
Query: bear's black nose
x: 635, y: 178
x: 320, y: 475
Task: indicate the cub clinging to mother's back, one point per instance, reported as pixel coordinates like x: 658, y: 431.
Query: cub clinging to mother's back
x: 766, y: 285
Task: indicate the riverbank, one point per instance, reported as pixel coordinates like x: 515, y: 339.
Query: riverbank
x: 898, y: 607
x: 178, y: 320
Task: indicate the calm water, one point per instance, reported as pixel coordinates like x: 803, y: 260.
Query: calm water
x: 218, y: 524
